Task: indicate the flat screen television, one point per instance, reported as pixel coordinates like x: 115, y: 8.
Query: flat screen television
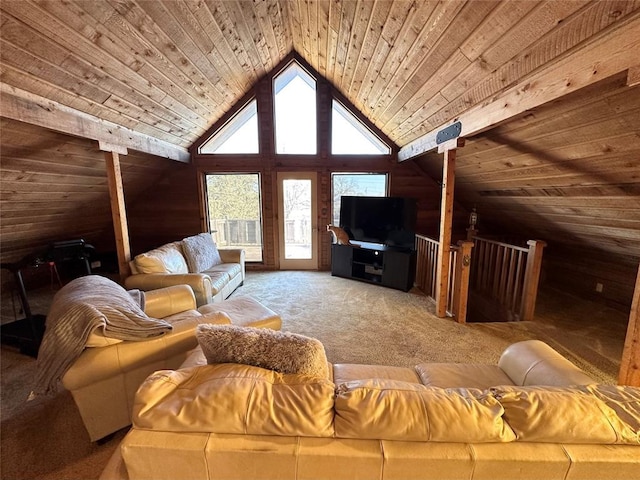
x: 388, y: 221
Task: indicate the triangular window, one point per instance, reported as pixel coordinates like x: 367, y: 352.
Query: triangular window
x: 349, y: 136
x: 294, y: 93
x: 238, y: 135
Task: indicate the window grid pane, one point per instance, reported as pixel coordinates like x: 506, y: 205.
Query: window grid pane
x: 235, y: 212
x: 295, y: 112
x: 356, y: 184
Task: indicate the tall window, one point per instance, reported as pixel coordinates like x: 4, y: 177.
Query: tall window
x: 349, y: 136
x: 238, y: 135
x: 356, y: 184
x: 233, y: 201
x: 295, y: 111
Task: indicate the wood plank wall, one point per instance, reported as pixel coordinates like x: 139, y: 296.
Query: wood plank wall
x: 567, y: 173
x: 54, y: 187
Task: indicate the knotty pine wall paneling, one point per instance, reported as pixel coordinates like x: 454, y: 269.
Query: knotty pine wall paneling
x: 54, y: 187
x: 567, y: 173
x: 167, y: 209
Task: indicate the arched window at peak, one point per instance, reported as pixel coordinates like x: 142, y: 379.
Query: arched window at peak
x: 349, y: 136
x: 238, y: 135
x: 294, y: 92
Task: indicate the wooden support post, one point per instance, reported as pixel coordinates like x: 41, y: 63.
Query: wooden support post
x: 461, y: 287
x: 446, y: 221
x: 531, y: 279
x: 630, y: 364
x: 118, y: 212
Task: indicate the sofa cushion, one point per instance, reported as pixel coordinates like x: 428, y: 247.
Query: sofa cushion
x: 201, y: 252
x: 346, y: 372
x: 230, y: 270
x: 219, y: 280
x: 624, y: 400
x: 165, y: 259
x: 564, y: 415
x: 237, y: 399
x: 460, y: 375
x: 98, y: 339
x: 283, y: 352
x: 396, y: 410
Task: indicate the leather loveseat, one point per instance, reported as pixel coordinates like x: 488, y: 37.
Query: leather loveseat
x: 104, y: 379
x: 534, y: 415
x: 170, y: 265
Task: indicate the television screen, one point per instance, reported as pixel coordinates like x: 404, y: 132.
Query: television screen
x: 385, y: 220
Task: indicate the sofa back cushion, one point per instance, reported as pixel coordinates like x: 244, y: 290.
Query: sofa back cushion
x: 396, y: 410
x: 200, y: 252
x: 580, y: 414
x: 235, y: 399
x: 165, y: 259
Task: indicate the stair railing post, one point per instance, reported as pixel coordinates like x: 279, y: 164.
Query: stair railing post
x: 461, y: 286
x: 531, y: 279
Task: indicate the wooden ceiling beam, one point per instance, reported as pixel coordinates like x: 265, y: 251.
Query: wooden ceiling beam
x: 609, y: 54
x: 27, y: 107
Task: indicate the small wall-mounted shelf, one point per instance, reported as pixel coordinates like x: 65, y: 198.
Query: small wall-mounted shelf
x: 370, y: 262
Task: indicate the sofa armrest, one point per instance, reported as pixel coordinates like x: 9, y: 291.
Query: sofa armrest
x: 533, y: 362
x: 167, y: 301
x: 233, y: 255
x: 200, y: 283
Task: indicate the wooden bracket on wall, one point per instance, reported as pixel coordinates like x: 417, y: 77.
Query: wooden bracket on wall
x: 633, y: 76
x: 451, y: 144
x: 111, y: 147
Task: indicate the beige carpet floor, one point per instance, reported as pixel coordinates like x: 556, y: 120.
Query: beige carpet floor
x: 357, y: 323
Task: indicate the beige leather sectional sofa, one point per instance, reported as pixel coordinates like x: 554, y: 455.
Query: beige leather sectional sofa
x: 166, y: 266
x: 533, y: 416
x: 104, y: 379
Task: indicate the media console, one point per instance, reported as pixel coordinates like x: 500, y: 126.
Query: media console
x: 374, y: 263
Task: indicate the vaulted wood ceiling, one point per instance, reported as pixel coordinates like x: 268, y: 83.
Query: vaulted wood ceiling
x: 156, y: 74
x: 170, y: 69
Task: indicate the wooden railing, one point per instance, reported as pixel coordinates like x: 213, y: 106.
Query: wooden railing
x: 503, y: 278
x: 458, y: 278
x: 426, y: 265
x: 508, y: 275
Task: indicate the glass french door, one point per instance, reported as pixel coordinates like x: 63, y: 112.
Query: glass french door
x: 297, y: 219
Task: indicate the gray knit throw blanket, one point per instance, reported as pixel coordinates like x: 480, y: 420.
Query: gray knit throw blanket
x: 81, y: 306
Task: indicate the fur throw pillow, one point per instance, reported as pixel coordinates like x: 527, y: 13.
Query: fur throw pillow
x: 201, y: 252
x: 283, y: 352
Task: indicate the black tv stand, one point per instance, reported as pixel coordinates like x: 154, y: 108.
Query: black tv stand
x: 384, y: 265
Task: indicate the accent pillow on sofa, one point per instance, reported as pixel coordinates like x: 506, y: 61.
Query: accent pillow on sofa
x: 283, y: 352
x: 201, y: 252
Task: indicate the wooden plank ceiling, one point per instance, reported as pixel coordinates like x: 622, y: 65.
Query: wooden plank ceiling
x: 170, y: 69
x: 566, y: 172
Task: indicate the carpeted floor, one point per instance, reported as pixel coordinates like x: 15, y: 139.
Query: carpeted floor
x: 357, y: 323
